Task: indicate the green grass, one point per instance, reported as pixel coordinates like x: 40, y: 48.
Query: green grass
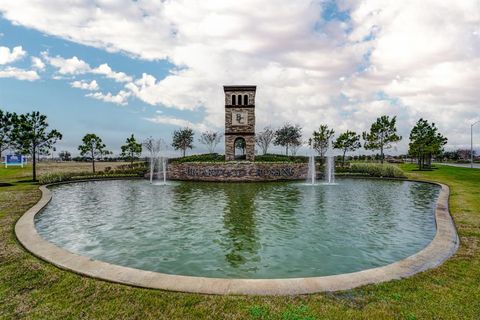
x: 33, y: 289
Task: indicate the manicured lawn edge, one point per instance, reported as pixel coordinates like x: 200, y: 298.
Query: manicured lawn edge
x: 444, y: 245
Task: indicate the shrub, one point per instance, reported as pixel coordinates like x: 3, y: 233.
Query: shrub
x: 49, y: 178
x: 281, y: 158
x: 208, y: 157
x: 54, y: 177
x: 377, y: 170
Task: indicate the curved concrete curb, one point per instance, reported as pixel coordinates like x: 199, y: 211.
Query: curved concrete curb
x: 443, y: 245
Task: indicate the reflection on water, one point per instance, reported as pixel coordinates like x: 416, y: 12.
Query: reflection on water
x: 250, y: 230
x: 241, y: 242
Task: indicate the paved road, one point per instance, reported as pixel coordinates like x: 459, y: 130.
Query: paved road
x: 462, y: 165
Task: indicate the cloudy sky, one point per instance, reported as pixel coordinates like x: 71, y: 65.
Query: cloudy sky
x: 116, y: 67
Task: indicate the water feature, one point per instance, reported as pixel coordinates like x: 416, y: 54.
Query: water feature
x: 162, y: 170
x: 312, y: 174
x: 155, y: 148
x: 329, y: 170
x: 242, y: 230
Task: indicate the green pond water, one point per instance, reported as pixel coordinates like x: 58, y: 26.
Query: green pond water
x: 249, y: 230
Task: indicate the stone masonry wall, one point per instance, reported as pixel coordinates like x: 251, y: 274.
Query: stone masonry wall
x: 230, y: 147
x: 241, y: 171
x: 250, y: 127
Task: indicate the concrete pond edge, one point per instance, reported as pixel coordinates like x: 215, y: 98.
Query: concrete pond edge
x: 444, y: 244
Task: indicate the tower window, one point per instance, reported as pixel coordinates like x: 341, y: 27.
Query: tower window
x: 245, y: 99
x: 239, y: 99
x: 234, y: 99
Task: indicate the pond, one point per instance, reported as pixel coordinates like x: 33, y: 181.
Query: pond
x: 242, y: 230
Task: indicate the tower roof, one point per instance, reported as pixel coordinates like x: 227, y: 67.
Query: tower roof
x: 240, y: 88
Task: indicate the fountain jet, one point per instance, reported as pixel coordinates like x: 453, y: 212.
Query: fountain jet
x: 330, y: 170
x: 311, y: 177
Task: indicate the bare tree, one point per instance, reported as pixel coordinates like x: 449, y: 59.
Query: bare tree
x: 153, y: 146
x: 294, y: 147
x: 210, y: 139
x: 264, y: 139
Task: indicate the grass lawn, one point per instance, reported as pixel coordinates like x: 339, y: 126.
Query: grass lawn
x: 33, y: 289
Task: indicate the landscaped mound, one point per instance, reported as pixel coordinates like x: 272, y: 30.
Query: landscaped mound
x: 376, y: 170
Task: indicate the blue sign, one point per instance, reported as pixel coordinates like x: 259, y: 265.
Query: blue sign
x: 14, y: 160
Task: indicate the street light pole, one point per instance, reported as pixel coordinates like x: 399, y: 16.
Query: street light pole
x: 471, y: 143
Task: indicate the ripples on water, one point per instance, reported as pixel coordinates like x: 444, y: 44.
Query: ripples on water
x: 250, y: 230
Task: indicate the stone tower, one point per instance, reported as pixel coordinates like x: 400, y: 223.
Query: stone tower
x: 240, y: 122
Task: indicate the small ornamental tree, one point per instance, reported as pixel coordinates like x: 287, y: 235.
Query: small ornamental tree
x: 264, y: 138
x: 30, y: 135
x: 92, y: 148
x: 182, y: 140
x: 294, y: 147
x: 347, y: 141
x: 425, y: 142
x: 287, y: 136
x: 320, y: 140
x: 7, y: 120
x: 383, y: 133
x: 65, y: 155
x: 131, y: 150
x: 210, y: 139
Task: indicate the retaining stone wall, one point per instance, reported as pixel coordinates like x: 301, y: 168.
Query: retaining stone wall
x: 241, y: 171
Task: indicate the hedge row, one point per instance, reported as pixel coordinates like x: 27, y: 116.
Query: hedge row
x: 215, y: 157
x: 68, y: 176
x: 376, y: 170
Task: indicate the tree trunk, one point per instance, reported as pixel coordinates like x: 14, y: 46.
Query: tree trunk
x: 34, y: 164
x: 343, y: 158
x: 381, y: 155
x: 184, y: 150
x: 286, y: 150
x: 93, y: 163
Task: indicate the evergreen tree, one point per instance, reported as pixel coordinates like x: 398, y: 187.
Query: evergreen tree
x: 7, y: 121
x: 347, y: 141
x: 320, y: 140
x: 131, y: 150
x: 383, y: 133
x: 425, y: 142
x: 30, y: 135
x: 93, y: 148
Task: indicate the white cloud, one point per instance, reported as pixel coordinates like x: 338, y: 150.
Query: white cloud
x: 37, y: 63
x: 85, y: 85
x: 406, y: 58
x: 19, y: 74
x: 76, y: 66
x: 8, y: 56
x: 177, y: 122
x: 71, y: 66
x: 120, y: 98
x: 105, y: 69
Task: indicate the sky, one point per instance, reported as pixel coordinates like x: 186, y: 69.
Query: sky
x: 117, y: 67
